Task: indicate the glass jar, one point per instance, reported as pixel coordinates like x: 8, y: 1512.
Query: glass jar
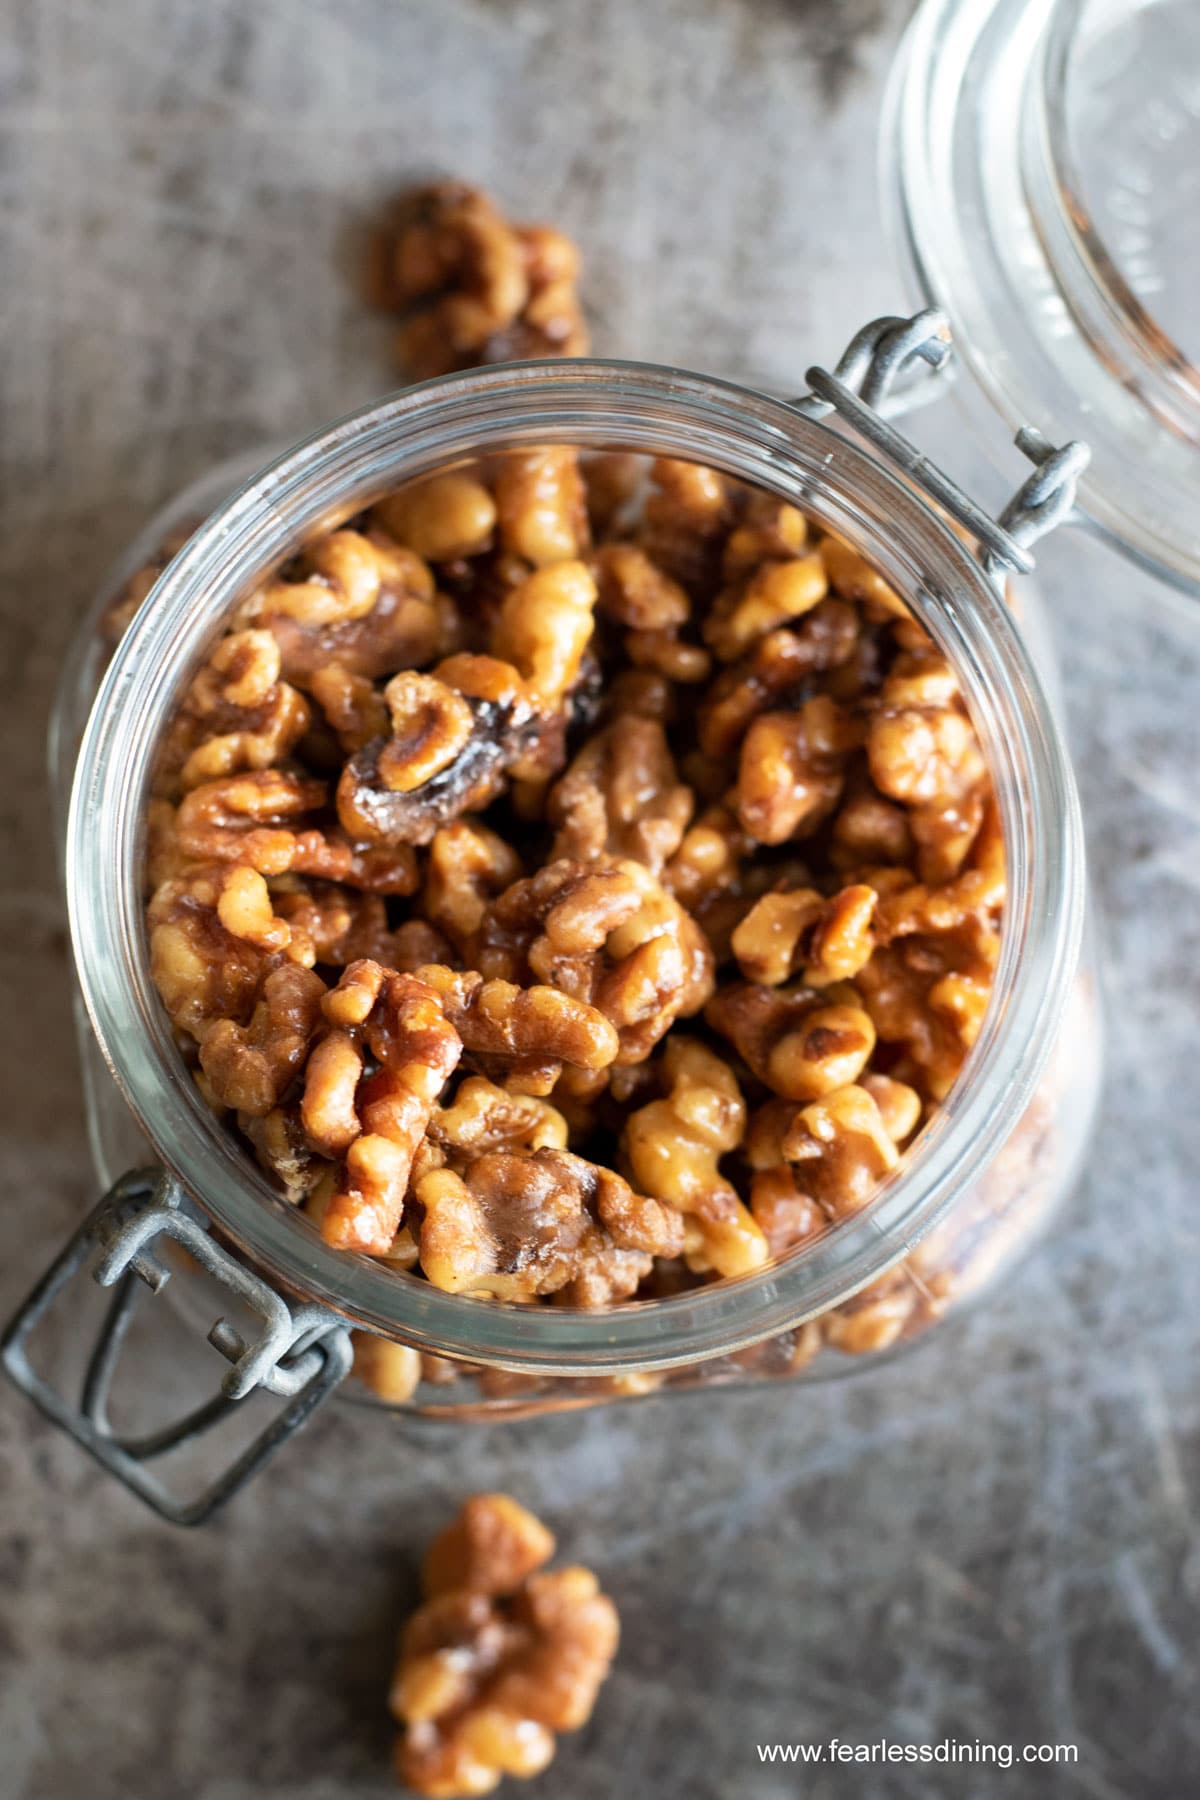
x: 971, y: 1192
x: 1041, y: 171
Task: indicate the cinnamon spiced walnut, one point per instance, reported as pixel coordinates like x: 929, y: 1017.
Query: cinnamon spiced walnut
x: 501, y: 1655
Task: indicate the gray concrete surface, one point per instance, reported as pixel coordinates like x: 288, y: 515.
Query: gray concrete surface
x: 998, y: 1538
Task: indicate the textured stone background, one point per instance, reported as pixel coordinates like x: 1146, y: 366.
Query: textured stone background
x: 995, y: 1538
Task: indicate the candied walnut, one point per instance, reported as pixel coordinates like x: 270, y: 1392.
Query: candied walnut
x: 501, y: 1655
x: 545, y: 626
x: 270, y: 821
x: 800, y: 931
x: 237, y: 714
x: 529, y: 1031
x: 343, y: 578
x: 779, y: 671
x: 391, y: 1371
x: 326, y: 618
x: 633, y: 592
x: 851, y: 576
x: 492, y: 291
x: 899, y: 1105
x: 214, y: 939
x: 868, y: 829
x: 548, y: 1223
x: 928, y: 992
x: 838, y: 1148
x: 768, y: 530
x: 552, y: 323
x: 342, y: 923
x: 431, y: 727
x: 441, y: 518
x: 923, y: 752
x: 609, y: 935
x: 667, y: 654
x: 541, y: 505
x: 620, y: 798
x: 468, y: 866
x: 791, y: 770
x: 251, y: 1066
x: 800, y: 1043
x: 403, y: 1023
x: 482, y: 720
x: 685, y: 519
x: 485, y: 1117
x: 673, y: 1148
x: 709, y: 858
x: 772, y: 595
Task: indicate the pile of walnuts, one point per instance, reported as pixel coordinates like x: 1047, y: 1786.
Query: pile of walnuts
x: 575, y: 877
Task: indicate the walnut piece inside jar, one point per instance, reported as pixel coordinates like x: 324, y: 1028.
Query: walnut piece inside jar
x: 578, y: 877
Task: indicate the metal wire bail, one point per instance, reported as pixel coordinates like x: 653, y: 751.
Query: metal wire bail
x: 869, y: 381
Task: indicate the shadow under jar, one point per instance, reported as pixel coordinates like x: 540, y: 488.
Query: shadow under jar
x: 971, y: 1188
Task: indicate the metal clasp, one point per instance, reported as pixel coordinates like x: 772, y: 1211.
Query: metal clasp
x: 869, y: 381
x: 301, y: 1354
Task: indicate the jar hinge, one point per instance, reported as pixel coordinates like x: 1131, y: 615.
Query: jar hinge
x: 301, y: 1354
x: 869, y: 380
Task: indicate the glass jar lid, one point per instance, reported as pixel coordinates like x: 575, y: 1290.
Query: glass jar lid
x: 1043, y: 162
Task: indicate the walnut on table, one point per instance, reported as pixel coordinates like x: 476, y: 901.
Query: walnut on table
x: 501, y: 1655
x: 475, y: 288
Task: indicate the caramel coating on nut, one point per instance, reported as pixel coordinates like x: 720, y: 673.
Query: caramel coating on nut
x: 431, y: 727
x: 611, y: 935
x: 791, y: 769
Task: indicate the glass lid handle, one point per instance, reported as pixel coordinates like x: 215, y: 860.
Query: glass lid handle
x: 300, y: 1353
x: 893, y: 363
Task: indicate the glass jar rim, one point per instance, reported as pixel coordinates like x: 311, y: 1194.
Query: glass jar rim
x: 596, y: 405
x: 984, y: 203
